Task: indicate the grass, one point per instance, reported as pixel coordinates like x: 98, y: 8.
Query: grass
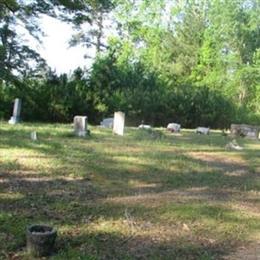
x: 146, y: 195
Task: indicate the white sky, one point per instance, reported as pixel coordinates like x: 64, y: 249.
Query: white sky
x: 55, y: 48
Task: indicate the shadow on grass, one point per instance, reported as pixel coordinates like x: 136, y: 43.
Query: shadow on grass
x: 70, y: 203
x: 104, y: 245
x: 170, y: 170
x: 80, y: 240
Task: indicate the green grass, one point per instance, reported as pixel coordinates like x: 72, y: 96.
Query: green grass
x: 146, y: 195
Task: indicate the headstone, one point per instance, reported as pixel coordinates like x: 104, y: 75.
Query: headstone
x: 33, y: 136
x: 80, y: 125
x: 107, y: 122
x: 16, y: 112
x: 119, y: 123
x: 142, y: 126
x: 233, y: 145
x: 202, y: 130
x: 249, y: 131
x: 173, y: 127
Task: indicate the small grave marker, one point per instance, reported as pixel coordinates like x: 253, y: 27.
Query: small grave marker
x: 33, y: 136
x: 233, y: 145
x: 202, y: 130
x: 107, y: 122
x: 142, y: 126
x: 173, y: 127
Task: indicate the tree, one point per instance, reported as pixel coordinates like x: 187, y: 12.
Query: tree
x: 192, y: 62
x: 90, y: 22
x: 15, y: 56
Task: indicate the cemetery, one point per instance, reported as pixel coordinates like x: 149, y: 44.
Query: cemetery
x: 129, y: 130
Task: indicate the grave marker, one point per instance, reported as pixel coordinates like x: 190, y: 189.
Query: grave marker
x: 33, y: 136
x: 173, y: 127
x: 107, y: 122
x: 80, y: 125
x: 249, y: 131
x: 202, y: 130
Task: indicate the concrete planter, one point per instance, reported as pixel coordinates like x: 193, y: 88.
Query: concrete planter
x: 40, y: 240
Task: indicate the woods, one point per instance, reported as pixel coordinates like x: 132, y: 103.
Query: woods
x: 192, y: 62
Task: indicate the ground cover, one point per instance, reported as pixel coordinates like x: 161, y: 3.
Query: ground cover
x: 146, y: 195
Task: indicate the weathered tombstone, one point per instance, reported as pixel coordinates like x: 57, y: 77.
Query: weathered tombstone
x: 80, y: 125
x: 16, y: 112
x: 107, y: 122
x: 119, y: 123
x: 173, y: 127
x: 249, y: 131
x: 202, y: 130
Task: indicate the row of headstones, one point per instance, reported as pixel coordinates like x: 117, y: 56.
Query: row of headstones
x: 80, y: 122
x: 176, y: 128
x: 173, y: 127
x: 243, y: 130
x: 118, y: 122
x: 249, y: 131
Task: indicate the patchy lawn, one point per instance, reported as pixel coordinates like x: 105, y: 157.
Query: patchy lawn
x: 147, y: 195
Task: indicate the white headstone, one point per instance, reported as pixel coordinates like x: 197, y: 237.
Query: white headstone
x: 173, y: 127
x: 119, y: 123
x: 34, y: 136
x: 80, y: 125
x: 107, y: 122
x: 16, y: 112
x: 202, y: 130
x: 142, y: 126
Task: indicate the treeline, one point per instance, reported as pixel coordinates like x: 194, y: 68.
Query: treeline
x: 194, y: 63
x: 140, y: 94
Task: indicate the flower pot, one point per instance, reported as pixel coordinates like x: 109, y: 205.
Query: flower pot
x: 40, y: 240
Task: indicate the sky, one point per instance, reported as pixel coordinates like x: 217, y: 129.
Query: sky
x: 55, y: 48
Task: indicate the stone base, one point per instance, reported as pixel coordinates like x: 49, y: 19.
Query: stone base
x: 40, y: 240
x: 14, y: 120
